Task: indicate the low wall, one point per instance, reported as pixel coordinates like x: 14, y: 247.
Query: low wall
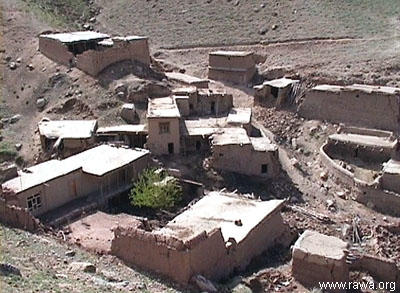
x: 373, y: 196
x: 344, y: 175
x: 383, y: 270
x: 205, y: 254
x: 17, y: 217
x: 242, y: 77
x: 356, y: 108
x: 93, y: 62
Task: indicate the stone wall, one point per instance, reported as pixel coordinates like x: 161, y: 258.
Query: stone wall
x: 353, y: 107
x: 95, y: 61
x: 205, y: 254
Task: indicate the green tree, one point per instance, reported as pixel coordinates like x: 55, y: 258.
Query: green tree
x: 156, y: 190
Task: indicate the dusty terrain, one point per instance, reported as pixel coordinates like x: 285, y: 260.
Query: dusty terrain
x: 319, y: 41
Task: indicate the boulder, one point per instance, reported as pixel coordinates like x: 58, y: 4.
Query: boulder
x: 41, y: 103
x: 128, y: 113
x: 86, y: 267
x: 15, y: 118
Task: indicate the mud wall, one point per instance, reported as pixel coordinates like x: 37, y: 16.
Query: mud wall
x: 93, y: 62
x: 232, y: 62
x: 56, y: 51
x: 17, y: 217
x: 373, y: 196
x: 353, y: 107
x: 242, y: 77
x: 222, y: 102
x: 244, y: 160
x: 158, y: 143
x: 204, y: 254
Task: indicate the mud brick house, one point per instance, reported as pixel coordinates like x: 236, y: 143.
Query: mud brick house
x: 214, y: 237
x: 358, y: 105
x: 234, y: 151
x: 237, y: 67
x: 99, y: 173
x: 131, y: 135
x: 163, y: 118
x: 67, y: 136
x: 201, y: 102
x: 274, y: 92
x: 92, y: 52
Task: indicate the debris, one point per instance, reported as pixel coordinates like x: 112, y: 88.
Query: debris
x: 318, y: 216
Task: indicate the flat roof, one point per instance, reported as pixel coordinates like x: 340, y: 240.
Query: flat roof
x: 263, y: 144
x: 239, y: 116
x: 127, y: 128
x: 359, y: 87
x: 281, y: 82
x: 216, y: 210
x: 232, y: 53
x: 74, y: 37
x: 231, y: 136
x: 365, y: 140
x: 163, y: 108
x: 204, y: 126
x: 96, y: 161
x: 185, y: 78
x: 67, y: 128
x: 184, y: 90
x: 392, y: 167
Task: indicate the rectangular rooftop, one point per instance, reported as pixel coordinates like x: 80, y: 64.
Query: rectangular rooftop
x: 221, y: 211
x: 163, y: 108
x: 67, y: 128
x: 75, y: 37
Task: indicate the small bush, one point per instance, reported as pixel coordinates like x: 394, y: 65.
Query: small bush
x: 7, y: 152
x: 156, y: 190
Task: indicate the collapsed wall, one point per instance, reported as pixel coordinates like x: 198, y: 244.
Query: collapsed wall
x: 359, y: 105
x: 17, y: 217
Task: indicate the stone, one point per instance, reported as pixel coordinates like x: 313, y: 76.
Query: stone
x: 31, y: 67
x: 323, y: 175
x: 341, y: 194
x: 263, y: 31
x: 83, y: 267
x: 203, y: 284
x: 128, y: 113
x: 41, y: 103
x: 70, y: 253
x: 12, y: 65
x: 18, y: 146
x: 241, y: 289
x: 15, y: 118
x: 319, y: 258
x: 8, y: 269
x: 274, y: 27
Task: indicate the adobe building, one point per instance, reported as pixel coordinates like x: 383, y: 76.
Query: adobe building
x: 358, y: 105
x: 274, y: 92
x: 163, y: 118
x: 216, y: 236
x: 129, y: 134
x: 67, y: 137
x: 98, y: 173
x: 234, y: 151
x: 187, y: 80
x: 319, y: 258
x: 237, y: 67
x: 92, y: 52
x: 201, y: 102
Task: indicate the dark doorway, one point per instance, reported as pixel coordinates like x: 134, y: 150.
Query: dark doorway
x: 274, y: 92
x: 264, y: 169
x: 198, y: 145
x: 212, y: 107
x: 171, y: 148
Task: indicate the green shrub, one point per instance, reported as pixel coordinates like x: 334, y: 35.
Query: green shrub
x: 7, y: 151
x: 156, y: 190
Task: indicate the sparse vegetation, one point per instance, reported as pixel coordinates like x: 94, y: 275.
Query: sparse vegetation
x: 7, y: 151
x: 156, y: 190
x: 60, y: 12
